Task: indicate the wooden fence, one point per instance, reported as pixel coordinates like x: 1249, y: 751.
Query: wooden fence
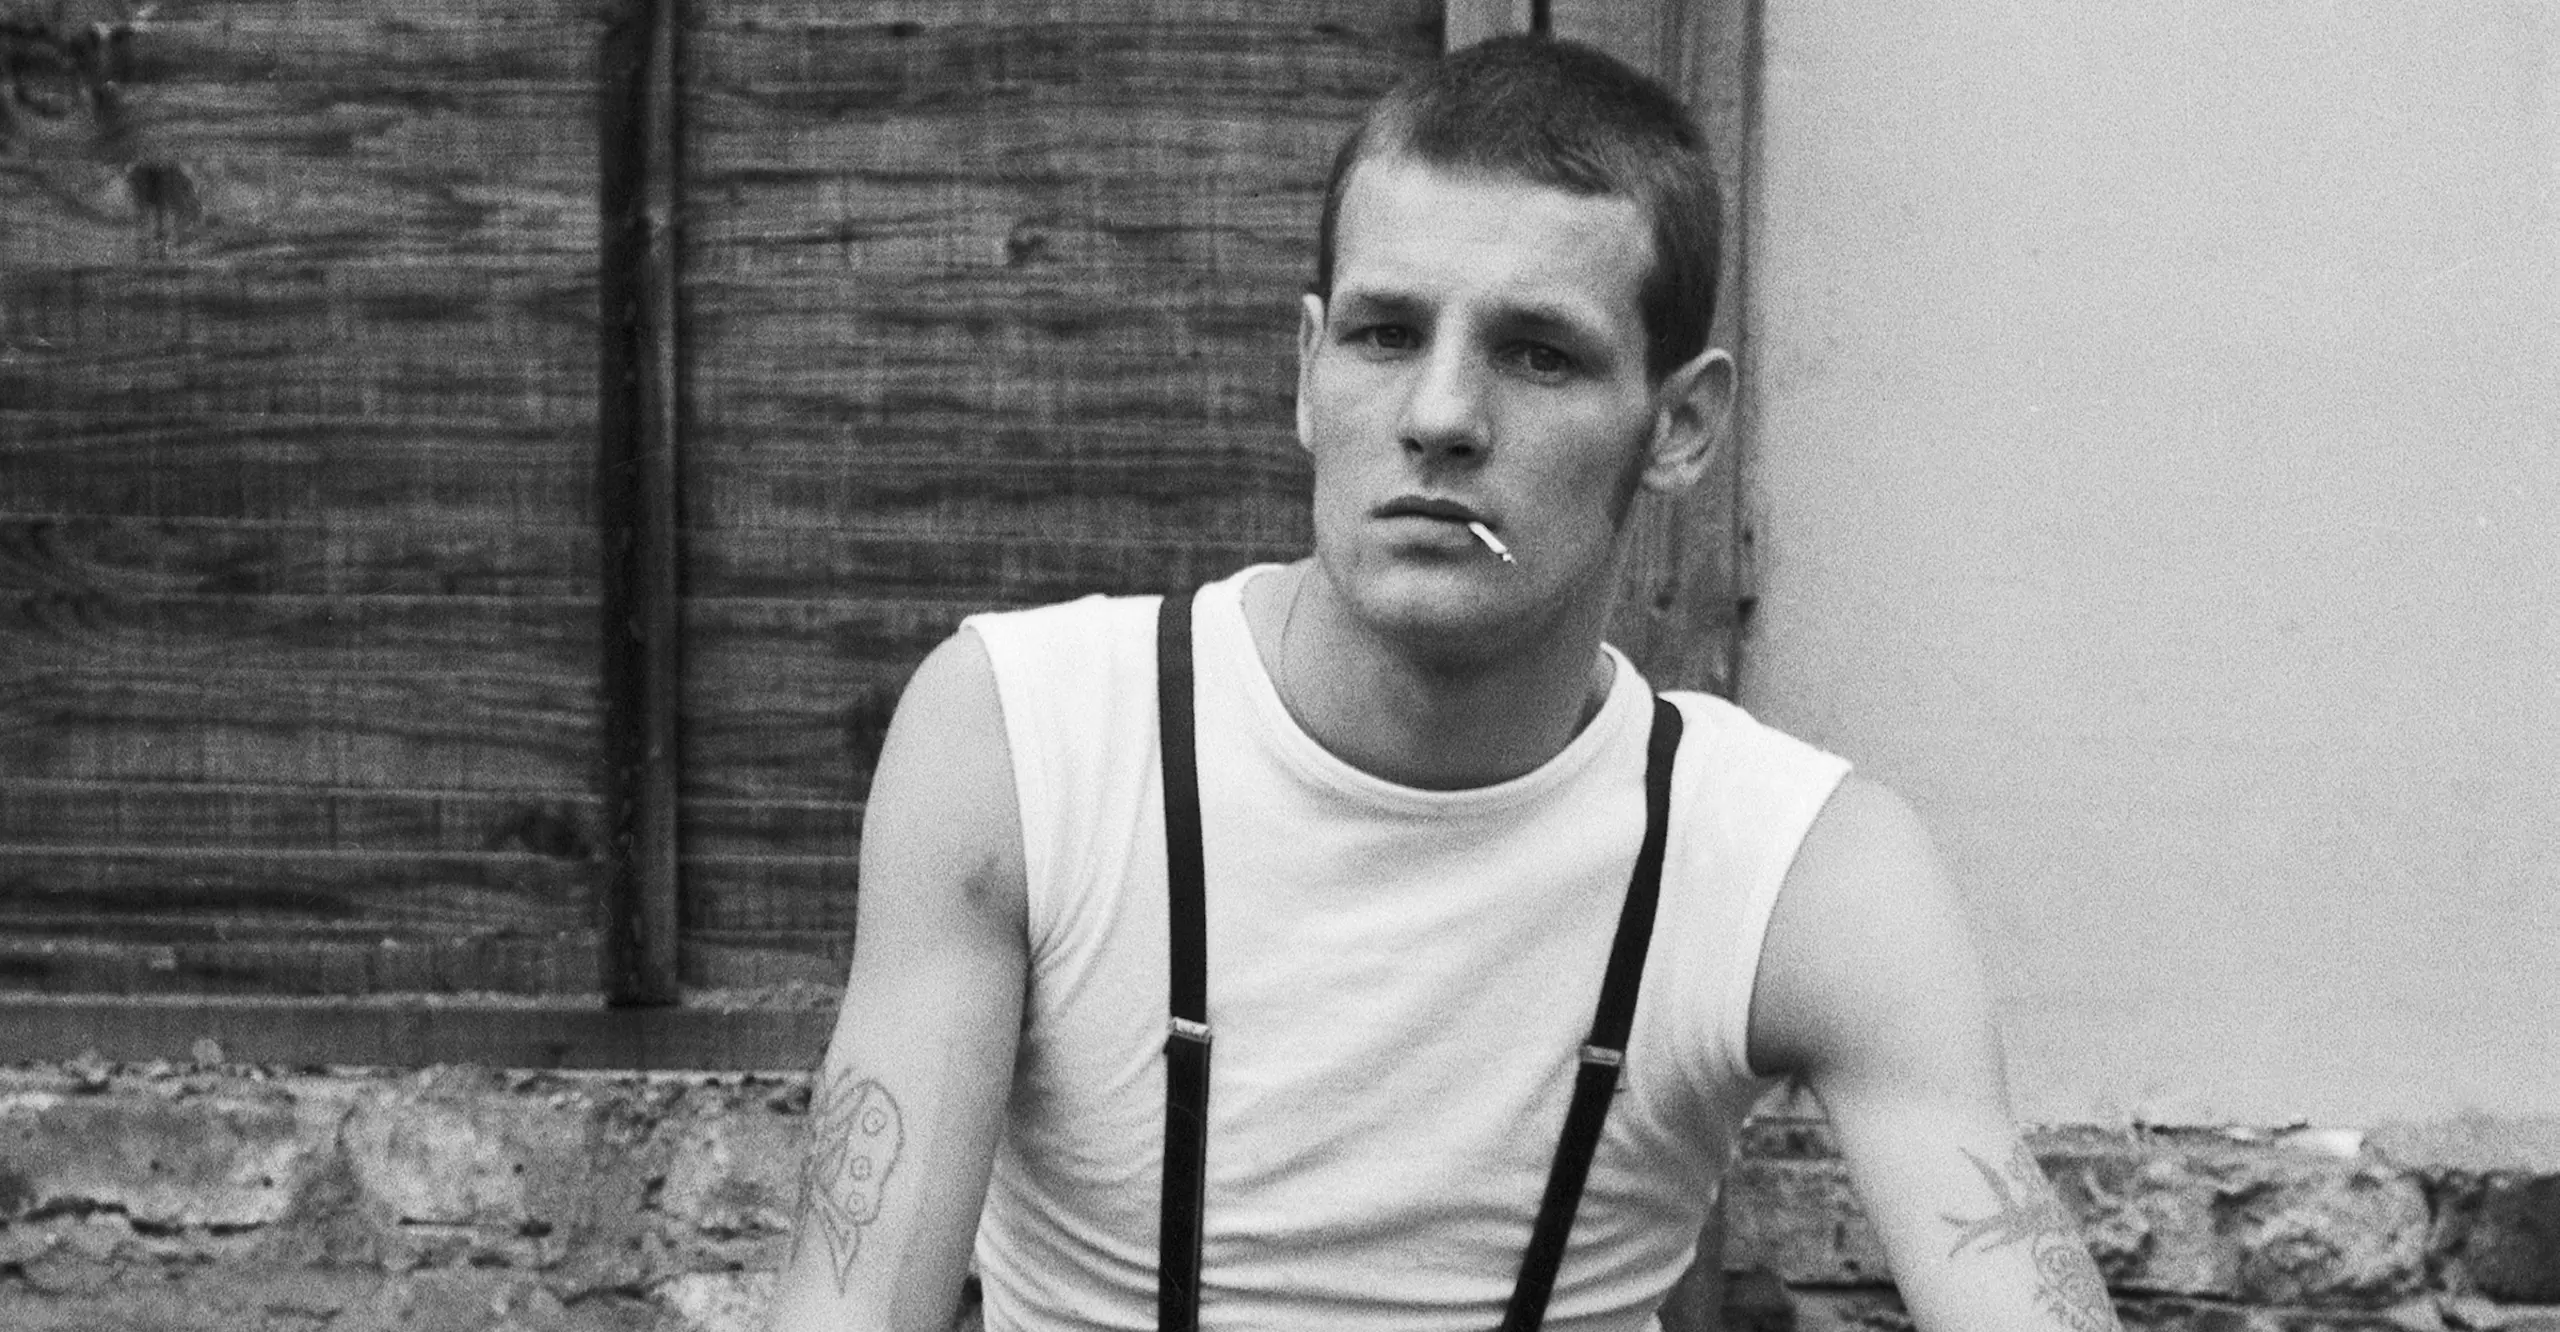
x: 316, y: 618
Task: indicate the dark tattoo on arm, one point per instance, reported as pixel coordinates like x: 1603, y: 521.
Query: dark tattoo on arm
x: 2067, y: 1283
x: 855, y: 1132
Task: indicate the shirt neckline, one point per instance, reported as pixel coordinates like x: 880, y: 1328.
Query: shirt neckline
x: 1226, y: 636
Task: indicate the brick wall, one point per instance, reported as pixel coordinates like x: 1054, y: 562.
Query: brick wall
x: 453, y: 1200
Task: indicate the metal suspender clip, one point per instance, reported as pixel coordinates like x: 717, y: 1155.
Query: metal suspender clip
x: 1593, y: 1054
x: 1184, y: 1029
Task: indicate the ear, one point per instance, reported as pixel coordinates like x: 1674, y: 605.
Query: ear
x: 1310, y: 336
x: 1692, y: 415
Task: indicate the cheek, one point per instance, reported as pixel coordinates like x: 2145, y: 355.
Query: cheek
x: 1603, y: 474
x: 1629, y: 482
x: 1339, y: 398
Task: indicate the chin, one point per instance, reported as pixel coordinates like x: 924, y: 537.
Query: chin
x: 1456, y: 609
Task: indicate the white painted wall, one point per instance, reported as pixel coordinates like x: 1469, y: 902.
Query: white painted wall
x: 2157, y: 462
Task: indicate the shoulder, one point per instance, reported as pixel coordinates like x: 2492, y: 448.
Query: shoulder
x: 1867, y: 960
x: 1752, y: 790
x: 1866, y: 841
x: 941, y: 811
x: 1092, y: 620
x: 1732, y: 744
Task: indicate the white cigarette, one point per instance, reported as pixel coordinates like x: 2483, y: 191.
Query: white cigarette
x: 1491, y: 542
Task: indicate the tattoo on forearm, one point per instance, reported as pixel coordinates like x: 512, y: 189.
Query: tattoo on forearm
x: 2067, y: 1283
x: 855, y: 1132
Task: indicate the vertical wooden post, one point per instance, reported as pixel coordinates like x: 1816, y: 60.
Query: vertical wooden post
x: 1648, y: 34
x: 637, y: 420
x: 1467, y: 22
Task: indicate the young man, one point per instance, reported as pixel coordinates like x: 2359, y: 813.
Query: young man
x: 1423, y: 783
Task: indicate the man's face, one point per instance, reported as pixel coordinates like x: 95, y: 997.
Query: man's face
x: 1482, y: 357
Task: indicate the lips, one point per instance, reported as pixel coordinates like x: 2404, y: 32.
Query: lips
x: 1426, y: 506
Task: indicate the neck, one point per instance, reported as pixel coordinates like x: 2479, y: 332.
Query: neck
x: 1428, y: 719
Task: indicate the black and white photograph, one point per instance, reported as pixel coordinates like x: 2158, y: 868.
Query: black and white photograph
x: 1279, y: 666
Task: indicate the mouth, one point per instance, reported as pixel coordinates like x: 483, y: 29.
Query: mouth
x: 1425, y: 506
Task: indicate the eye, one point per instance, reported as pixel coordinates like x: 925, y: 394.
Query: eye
x: 1384, y: 338
x: 1540, y: 360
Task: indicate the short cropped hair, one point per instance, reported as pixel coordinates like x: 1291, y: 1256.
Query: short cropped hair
x: 1563, y: 115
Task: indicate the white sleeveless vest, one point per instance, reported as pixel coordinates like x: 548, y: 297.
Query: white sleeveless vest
x: 1399, y: 980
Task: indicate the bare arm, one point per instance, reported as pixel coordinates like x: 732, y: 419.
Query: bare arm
x: 1869, y: 991
x: 905, y: 1111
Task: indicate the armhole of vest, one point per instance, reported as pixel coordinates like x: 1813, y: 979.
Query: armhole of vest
x: 1818, y: 774
x: 1025, y: 751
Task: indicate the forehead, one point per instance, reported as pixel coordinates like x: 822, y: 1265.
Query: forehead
x: 1411, y: 230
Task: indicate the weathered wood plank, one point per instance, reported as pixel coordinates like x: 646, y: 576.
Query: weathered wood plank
x: 165, y: 891
x: 461, y: 554
x: 299, y: 619
x: 814, y: 215
x: 354, y: 43
x: 750, y: 830
x: 639, y: 431
x: 1414, y: 24
x: 118, y: 816
x: 1136, y: 488
x: 550, y: 640
x: 790, y: 551
x: 302, y: 130
x: 1074, y: 349
x: 786, y: 1034
x: 362, y: 342
x: 990, y: 305
x: 404, y: 730
x: 799, y: 900
x: 269, y: 470
x: 751, y: 963
x: 296, y: 964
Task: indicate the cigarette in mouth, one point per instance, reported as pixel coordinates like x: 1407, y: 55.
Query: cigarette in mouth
x: 1491, y: 542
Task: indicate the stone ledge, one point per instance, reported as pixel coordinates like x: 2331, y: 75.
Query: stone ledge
x: 233, y: 1198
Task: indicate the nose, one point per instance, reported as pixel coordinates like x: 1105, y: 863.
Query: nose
x: 1444, y: 408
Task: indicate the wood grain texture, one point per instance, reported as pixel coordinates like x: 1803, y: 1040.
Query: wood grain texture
x: 496, y: 345
x: 988, y: 305
x: 163, y: 818
x: 161, y: 959
x: 1683, y: 594
x: 349, y: 554
x: 505, y: 1033
x: 639, y: 436
x: 295, y: 730
x: 305, y: 130
x: 298, y: 568
x: 186, y: 890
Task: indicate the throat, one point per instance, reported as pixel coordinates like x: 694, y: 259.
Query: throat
x: 1414, y: 720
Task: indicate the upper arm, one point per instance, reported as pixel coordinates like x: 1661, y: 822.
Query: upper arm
x: 906, y: 1109
x: 1869, y: 991
x: 1868, y: 981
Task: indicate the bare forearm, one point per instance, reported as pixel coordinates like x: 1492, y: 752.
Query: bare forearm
x: 903, y: 1121
x: 890, y: 1185
x: 2022, y: 1223
x: 856, y: 1134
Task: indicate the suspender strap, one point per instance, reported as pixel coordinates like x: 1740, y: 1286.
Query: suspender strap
x: 1596, y: 1083
x: 1186, y: 1047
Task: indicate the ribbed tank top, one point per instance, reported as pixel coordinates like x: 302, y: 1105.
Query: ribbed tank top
x: 1400, y: 981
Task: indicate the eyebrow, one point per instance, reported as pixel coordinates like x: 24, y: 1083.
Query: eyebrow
x: 1529, y: 317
